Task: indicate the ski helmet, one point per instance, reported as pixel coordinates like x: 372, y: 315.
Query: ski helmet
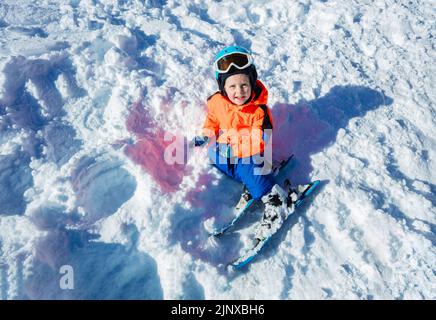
x: 234, y: 60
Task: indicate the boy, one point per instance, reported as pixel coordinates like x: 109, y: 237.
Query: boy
x: 239, y: 119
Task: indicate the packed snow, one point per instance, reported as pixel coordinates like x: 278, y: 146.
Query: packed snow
x: 95, y: 93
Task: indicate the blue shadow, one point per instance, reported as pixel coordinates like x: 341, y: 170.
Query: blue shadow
x: 307, y: 127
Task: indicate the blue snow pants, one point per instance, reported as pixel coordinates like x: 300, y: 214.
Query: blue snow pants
x: 243, y: 170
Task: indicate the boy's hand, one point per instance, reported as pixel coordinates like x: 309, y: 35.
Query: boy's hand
x: 198, y: 141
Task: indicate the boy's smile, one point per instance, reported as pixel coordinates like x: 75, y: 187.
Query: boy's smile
x: 238, y: 88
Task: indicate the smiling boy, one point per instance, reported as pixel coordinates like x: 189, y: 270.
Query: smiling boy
x: 240, y: 123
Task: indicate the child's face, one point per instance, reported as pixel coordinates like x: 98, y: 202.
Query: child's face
x: 238, y: 88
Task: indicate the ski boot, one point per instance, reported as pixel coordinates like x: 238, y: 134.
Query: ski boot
x: 276, y: 211
x: 243, y: 201
x: 294, y: 194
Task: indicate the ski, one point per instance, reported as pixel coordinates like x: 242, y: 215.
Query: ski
x: 219, y: 232
x: 251, y: 253
x: 240, y: 212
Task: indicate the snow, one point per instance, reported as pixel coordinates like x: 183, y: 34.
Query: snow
x: 95, y: 96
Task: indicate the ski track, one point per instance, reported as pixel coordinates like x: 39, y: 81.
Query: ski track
x: 89, y: 90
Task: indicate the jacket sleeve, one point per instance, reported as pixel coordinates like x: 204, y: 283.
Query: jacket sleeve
x: 211, y: 125
x: 267, y: 125
x: 267, y: 120
x: 257, y: 143
x: 258, y: 121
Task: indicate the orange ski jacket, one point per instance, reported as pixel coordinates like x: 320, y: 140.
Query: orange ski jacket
x: 240, y: 127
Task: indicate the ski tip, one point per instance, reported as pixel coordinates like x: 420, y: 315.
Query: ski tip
x: 219, y: 232
x: 312, y: 187
x: 216, y: 234
x: 239, y: 265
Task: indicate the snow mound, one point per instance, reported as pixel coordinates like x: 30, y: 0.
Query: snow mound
x: 96, y: 95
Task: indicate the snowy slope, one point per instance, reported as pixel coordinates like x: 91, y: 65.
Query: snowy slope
x: 92, y: 92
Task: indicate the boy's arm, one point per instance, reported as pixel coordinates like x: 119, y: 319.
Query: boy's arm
x: 262, y: 129
x: 267, y: 120
x: 257, y: 142
x: 267, y: 123
x: 210, y: 129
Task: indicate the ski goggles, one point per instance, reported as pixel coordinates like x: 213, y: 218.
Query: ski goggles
x: 237, y: 59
